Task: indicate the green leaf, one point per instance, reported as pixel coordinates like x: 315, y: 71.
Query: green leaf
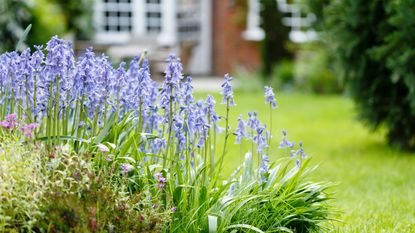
x: 63, y: 138
x: 128, y: 159
x: 106, y: 130
x: 245, y: 226
x: 177, y: 194
x: 213, y: 223
x: 21, y: 42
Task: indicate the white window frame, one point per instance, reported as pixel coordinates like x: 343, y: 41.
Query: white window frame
x: 253, y: 30
x: 296, y: 22
x: 139, y: 23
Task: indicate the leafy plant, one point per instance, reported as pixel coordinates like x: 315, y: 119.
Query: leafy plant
x: 373, y: 42
x: 314, y: 71
x: 283, y: 75
x: 130, y: 142
x: 15, y: 17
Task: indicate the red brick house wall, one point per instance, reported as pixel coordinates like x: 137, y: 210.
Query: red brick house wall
x: 230, y: 49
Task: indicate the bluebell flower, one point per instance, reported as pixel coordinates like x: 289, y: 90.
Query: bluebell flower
x: 59, y: 59
x: 269, y: 97
x: 240, y: 131
x: 260, y: 139
x: 210, y: 112
x: 263, y: 168
x: 285, y: 143
x: 301, y: 151
x: 253, y: 121
x: 158, y: 146
x: 173, y: 71
x: 227, y: 91
x: 187, y: 92
x: 179, y: 133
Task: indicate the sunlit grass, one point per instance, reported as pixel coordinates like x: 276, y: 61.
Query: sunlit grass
x: 375, y: 185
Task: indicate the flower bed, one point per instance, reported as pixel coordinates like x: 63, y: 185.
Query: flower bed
x: 118, y: 152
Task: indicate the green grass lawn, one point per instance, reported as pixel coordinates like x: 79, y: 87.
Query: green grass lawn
x: 374, y: 184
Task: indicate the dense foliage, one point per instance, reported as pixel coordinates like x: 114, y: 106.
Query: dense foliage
x: 374, y: 45
x: 78, y: 17
x: 120, y: 143
x: 47, y: 18
x: 15, y: 17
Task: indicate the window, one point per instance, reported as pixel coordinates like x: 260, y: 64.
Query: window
x: 153, y: 16
x: 117, y: 16
x: 293, y: 17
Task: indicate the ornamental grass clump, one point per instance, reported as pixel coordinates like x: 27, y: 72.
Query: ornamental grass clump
x: 159, y: 143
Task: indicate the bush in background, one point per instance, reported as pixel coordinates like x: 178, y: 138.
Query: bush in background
x: 78, y: 17
x: 47, y: 21
x: 283, y: 75
x: 374, y: 45
x: 248, y: 81
x: 314, y: 71
x: 15, y: 17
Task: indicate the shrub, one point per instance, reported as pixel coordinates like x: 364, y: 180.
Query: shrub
x: 373, y: 43
x: 137, y: 149
x: 314, y: 72
x: 247, y: 81
x: 14, y: 18
x: 283, y: 75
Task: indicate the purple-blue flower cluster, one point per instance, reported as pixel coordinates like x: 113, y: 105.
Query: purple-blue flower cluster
x: 84, y: 93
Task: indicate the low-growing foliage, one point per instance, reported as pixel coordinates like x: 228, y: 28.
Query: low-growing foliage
x: 21, y: 184
x: 126, y: 154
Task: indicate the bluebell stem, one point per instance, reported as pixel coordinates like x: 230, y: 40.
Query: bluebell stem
x: 227, y: 93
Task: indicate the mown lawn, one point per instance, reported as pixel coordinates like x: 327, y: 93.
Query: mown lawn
x: 374, y: 184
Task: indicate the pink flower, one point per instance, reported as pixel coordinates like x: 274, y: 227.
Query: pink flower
x: 161, y: 181
x: 5, y: 124
x: 28, y: 129
x: 103, y: 148
x: 10, y: 122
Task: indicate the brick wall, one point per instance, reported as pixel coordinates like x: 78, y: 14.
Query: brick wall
x: 230, y: 50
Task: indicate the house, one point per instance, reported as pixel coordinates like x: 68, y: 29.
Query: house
x: 206, y: 34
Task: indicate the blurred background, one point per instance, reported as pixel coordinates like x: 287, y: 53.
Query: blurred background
x: 268, y: 40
